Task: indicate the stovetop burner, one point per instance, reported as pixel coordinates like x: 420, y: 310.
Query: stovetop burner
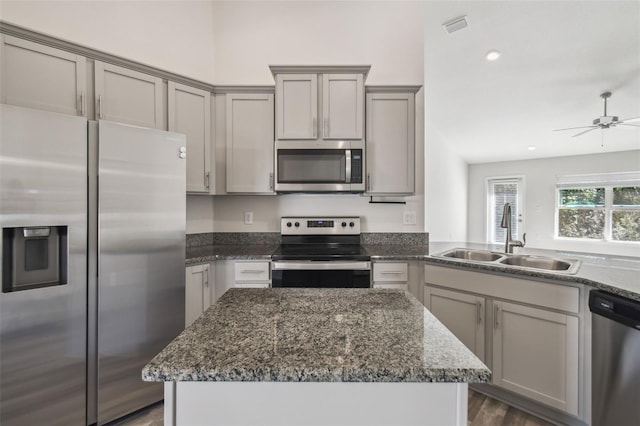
x: 320, y: 239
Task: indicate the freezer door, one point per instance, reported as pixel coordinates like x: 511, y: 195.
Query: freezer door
x: 141, y: 259
x: 43, y: 184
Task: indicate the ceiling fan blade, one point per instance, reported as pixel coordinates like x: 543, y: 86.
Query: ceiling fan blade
x: 629, y: 120
x: 575, y: 128
x: 627, y: 124
x: 586, y: 131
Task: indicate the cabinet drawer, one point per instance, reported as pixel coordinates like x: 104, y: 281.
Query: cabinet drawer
x: 251, y: 271
x: 390, y: 272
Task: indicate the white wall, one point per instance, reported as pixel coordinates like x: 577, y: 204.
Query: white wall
x: 445, y: 188
x: 250, y: 36
x: 540, y: 183
x: 175, y: 36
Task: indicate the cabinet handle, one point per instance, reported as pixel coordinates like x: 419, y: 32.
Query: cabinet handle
x: 479, y: 309
x: 496, y: 313
x: 368, y: 186
x: 325, y: 131
x: 315, y: 127
x: 82, y: 103
x: 270, y: 181
x: 205, y: 276
x: 100, y: 106
x: 206, y: 180
x: 251, y: 271
x: 391, y: 272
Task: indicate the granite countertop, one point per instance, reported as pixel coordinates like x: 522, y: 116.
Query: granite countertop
x: 317, y: 335
x: 616, y: 274
x: 209, y: 253
x: 397, y: 251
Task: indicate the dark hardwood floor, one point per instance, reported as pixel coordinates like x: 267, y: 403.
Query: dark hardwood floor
x: 483, y: 411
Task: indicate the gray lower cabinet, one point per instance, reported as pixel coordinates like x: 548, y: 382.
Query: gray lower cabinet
x: 536, y: 354
x: 527, y: 332
x: 461, y: 313
x: 41, y: 77
x: 128, y: 96
x: 189, y: 112
x: 199, y: 291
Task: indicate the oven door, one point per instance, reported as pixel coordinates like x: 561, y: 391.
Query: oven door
x: 321, y: 274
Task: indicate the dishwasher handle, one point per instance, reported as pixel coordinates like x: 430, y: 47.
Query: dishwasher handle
x: 616, y: 308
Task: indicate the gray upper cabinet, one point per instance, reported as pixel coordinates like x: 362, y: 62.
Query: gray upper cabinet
x: 190, y: 113
x: 391, y: 140
x: 297, y: 106
x: 342, y: 106
x: 319, y: 103
x: 41, y: 77
x: 128, y: 96
x: 249, y: 143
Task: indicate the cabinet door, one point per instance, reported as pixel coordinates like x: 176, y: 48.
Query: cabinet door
x: 198, y: 292
x: 390, y: 143
x: 249, y: 137
x: 461, y: 313
x: 127, y: 96
x: 342, y: 106
x: 297, y: 106
x: 535, y: 353
x: 41, y: 77
x: 190, y: 113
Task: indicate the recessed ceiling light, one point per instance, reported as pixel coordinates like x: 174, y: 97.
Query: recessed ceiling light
x: 492, y: 55
x: 531, y: 148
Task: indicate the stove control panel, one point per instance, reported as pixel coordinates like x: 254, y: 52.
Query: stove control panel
x: 348, y: 225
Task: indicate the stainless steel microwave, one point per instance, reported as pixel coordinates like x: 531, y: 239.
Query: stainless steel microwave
x: 325, y: 166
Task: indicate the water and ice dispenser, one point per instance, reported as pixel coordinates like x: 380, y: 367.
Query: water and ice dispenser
x: 34, y: 257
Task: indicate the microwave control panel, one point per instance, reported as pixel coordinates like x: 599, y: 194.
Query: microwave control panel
x: 356, y: 166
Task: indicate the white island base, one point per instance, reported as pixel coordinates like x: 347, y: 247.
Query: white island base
x: 307, y: 403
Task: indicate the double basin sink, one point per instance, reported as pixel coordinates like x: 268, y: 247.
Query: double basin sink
x: 531, y: 262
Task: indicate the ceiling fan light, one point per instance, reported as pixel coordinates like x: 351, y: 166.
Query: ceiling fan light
x: 492, y: 55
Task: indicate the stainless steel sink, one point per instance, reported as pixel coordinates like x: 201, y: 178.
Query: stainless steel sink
x: 477, y: 255
x: 539, y: 262
x: 520, y: 261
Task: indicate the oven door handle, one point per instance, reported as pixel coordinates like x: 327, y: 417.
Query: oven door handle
x: 321, y: 265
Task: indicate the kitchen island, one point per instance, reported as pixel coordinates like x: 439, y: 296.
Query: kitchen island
x: 316, y: 356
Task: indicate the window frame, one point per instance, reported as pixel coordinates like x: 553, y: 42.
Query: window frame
x: 608, y: 181
x: 489, y: 204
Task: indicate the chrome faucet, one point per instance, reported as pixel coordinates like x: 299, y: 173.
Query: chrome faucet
x: 509, y: 243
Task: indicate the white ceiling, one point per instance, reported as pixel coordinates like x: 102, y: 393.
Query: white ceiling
x: 557, y: 57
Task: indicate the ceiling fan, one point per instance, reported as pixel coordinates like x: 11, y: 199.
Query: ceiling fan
x: 605, y: 121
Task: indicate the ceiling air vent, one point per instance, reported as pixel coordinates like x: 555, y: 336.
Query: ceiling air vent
x: 456, y: 24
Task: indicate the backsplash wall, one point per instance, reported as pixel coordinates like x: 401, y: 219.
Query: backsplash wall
x: 267, y: 210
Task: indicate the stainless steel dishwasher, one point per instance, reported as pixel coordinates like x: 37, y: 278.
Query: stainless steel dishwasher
x: 616, y: 359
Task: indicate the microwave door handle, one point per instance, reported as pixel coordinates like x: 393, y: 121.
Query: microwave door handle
x: 347, y: 154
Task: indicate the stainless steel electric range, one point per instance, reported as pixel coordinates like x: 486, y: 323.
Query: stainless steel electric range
x: 321, y: 252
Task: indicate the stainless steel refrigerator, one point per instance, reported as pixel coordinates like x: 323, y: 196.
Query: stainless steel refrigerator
x: 93, y: 225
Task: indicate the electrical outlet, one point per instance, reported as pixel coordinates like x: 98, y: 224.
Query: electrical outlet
x: 248, y: 218
x: 409, y: 218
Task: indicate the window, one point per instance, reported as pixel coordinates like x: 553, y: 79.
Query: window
x: 599, y: 207
x: 500, y: 191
